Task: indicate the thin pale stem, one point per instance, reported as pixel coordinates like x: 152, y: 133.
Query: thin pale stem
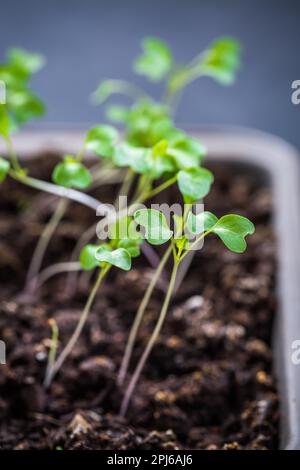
x: 53, y: 345
x: 51, y: 271
x: 72, y: 341
x: 60, y: 191
x: 86, y: 236
x: 162, y: 187
x: 122, y: 87
x: 139, y: 317
x: 44, y: 240
x: 136, y: 375
x: 126, y: 185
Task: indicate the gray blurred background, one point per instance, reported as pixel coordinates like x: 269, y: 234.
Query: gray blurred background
x: 87, y: 41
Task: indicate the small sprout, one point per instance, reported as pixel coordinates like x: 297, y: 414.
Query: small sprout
x: 222, y: 60
x: 119, y: 257
x: 219, y: 61
x: 101, y: 140
x: 194, y: 183
x: 71, y: 173
x: 4, y: 169
x: 155, y: 225
x: 156, y: 60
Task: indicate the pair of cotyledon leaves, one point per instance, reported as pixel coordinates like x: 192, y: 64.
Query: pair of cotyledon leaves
x: 93, y: 256
x: 231, y: 228
x: 124, y: 245
x: 21, y: 104
x: 219, y: 61
x: 71, y: 172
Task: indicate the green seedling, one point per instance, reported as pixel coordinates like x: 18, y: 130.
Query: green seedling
x: 153, y: 148
x: 155, y: 155
x: 71, y: 173
x: 220, y: 61
x: 231, y: 229
x: 117, y: 253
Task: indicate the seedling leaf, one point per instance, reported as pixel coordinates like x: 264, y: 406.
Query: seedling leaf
x: 156, y: 60
x: 222, y: 60
x: 87, y: 257
x: 101, y: 140
x: 232, y: 229
x: 26, y: 61
x: 155, y: 225
x: 137, y: 158
x: 119, y: 257
x: 199, y: 223
x: 71, y: 173
x: 187, y: 152
x: 194, y: 183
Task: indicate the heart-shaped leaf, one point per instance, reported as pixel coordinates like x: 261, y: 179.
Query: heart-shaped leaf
x: 221, y: 60
x: 187, y: 152
x: 194, y: 183
x: 71, y: 174
x: 137, y: 158
x: 87, y: 257
x: 232, y: 229
x: 199, y: 223
x: 155, y: 224
x: 4, y: 168
x: 156, y: 60
x: 101, y: 140
x: 119, y: 257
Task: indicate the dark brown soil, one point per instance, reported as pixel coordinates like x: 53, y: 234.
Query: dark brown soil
x: 209, y: 381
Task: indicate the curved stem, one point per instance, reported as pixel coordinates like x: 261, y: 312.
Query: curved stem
x: 53, y: 345
x: 51, y: 271
x: 122, y: 87
x: 138, y: 318
x: 72, y: 341
x: 136, y: 375
x: 44, y: 240
x: 60, y: 191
